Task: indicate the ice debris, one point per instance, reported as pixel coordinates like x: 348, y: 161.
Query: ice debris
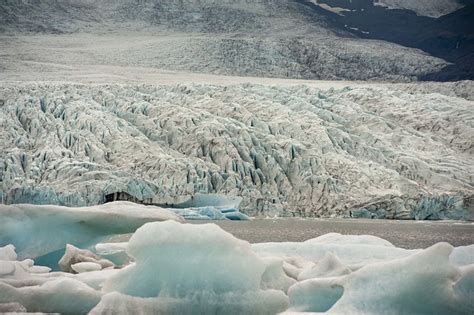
x: 180, y: 268
x: 75, y: 259
x: 86, y: 267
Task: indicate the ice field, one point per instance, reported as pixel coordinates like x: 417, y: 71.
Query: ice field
x: 360, y: 150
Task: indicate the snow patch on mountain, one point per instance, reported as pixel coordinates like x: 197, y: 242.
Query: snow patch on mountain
x: 327, y: 7
x: 430, y: 8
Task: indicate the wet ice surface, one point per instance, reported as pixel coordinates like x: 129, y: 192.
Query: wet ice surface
x: 406, y: 234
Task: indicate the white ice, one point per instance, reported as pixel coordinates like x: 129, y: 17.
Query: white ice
x: 361, y: 150
x: 75, y: 259
x: 199, y: 263
x: 177, y: 268
x: 423, y: 283
x: 86, y: 267
x: 349, y: 249
x: 37, y: 230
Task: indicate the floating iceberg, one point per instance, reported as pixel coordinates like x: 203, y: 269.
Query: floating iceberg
x: 38, y: 230
x: 175, y: 268
x: 349, y: 249
x: 193, y: 265
x: 75, y: 259
x: 259, y: 303
x: 210, y: 213
x: 208, y: 207
x: 30, y: 227
x: 424, y: 283
x: 57, y: 296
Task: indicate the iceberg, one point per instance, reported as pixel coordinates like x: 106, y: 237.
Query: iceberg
x: 177, y: 268
x: 57, y: 296
x: 423, y: 283
x: 199, y: 263
x: 86, y: 267
x: 39, y: 230
x: 75, y: 259
x: 267, y: 302
x: 211, y: 213
x: 207, y: 207
x: 349, y: 249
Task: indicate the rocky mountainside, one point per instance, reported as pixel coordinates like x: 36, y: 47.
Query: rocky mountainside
x: 373, y: 151
x: 441, y: 28
x: 279, y: 38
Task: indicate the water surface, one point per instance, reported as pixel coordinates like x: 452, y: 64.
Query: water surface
x: 406, y: 234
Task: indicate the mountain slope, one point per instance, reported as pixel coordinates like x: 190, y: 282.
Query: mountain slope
x: 450, y: 36
x: 281, y: 38
x: 430, y: 8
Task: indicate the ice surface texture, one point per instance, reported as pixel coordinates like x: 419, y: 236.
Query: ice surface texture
x: 157, y: 249
x: 39, y: 230
x: 207, y: 207
x: 188, y: 269
x: 203, y: 265
x: 381, y: 151
x: 419, y: 284
x: 76, y: 260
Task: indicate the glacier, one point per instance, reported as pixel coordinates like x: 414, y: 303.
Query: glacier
x: 207, y: 207
x: 394, y: 151
x: 178, y: 268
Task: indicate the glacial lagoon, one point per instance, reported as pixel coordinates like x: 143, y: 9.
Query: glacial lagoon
x: 406, y: 234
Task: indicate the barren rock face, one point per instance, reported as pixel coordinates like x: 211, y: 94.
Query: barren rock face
x: 380, y: 151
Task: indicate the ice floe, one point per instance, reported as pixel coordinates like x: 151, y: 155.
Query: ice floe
x: 76, y: 259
